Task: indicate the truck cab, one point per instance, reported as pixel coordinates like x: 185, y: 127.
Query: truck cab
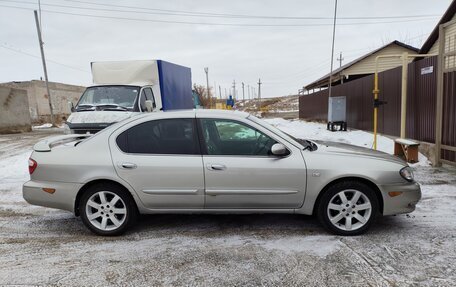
x: 100, y: 106
x: 124, y: 88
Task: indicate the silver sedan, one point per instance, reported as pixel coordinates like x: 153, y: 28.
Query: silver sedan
x: 208, y: 161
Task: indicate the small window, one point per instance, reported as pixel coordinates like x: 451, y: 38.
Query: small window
x: 227, y: 137
x: 150, y: 96
x: 142, y: 100
x: 168, y: 136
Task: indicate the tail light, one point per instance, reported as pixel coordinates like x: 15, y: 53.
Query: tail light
x: 32, y: 165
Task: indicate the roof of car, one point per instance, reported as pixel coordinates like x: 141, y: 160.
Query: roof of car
x: 200, y: 113
x: 229, y: 113
x: 208, y: 112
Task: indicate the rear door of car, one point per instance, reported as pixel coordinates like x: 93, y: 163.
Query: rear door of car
x: 240, y: 171
x: 161, y: 160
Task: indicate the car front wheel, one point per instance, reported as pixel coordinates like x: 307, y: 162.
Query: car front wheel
x: 348, y: 208
x: 107, y: 209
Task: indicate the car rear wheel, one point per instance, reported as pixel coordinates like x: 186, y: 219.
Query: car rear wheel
x: 348, y: 208
x: 107, y: 209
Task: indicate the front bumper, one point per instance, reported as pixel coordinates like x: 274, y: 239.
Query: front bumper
x: 403, y: 203
x: 64, y: 196
x: 83, y: 128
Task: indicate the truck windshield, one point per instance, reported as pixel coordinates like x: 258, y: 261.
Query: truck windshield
x: 109, y: 97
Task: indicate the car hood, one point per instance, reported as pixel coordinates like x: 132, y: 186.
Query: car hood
x: 352, y: 150
x: 99, y: 116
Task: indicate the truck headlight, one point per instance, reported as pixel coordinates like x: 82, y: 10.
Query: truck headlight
x: 407, y: 173
x: 66, y: 129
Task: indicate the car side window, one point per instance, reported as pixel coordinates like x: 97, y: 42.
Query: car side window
x: 166, y: 136
x: 150, y: 96
x: 142, y: 100
x: 228, y: 137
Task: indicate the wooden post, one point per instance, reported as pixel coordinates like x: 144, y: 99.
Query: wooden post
x: 404, y: 93
x: 439, y: 100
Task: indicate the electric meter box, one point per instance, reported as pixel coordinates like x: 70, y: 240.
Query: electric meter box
x: 337, y: 107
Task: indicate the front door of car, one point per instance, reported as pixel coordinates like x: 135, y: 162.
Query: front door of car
x: 161, y: 160
x: 241, y: 172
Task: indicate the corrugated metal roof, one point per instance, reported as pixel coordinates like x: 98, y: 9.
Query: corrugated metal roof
x: 447, y: 16
x: 325, y: 78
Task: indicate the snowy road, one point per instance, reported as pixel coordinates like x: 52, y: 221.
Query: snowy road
x: 40, y: 246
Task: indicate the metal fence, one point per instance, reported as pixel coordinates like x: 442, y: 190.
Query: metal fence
x: 449, y: 116
x: 421, y: 96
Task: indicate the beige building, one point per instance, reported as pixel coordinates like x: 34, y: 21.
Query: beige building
x: 38, y: 99
x: 431, y: 46
x: 365, y: 65
x: 14, y: 111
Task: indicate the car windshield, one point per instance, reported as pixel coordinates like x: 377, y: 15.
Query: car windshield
x: 307, y: 144
x: 116, y: 97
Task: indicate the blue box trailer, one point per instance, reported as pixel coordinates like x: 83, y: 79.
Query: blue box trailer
x: 124, y: 88
x: 175, y: 86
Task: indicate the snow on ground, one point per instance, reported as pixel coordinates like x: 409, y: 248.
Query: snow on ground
x: 43, y: 126
x: 48, y: 126
x: 13, y: 173
x: 318, y: 131
x: 41, y: 246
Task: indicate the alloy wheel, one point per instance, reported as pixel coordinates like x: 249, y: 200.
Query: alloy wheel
x: 349, y: 210
x: 106, y: 210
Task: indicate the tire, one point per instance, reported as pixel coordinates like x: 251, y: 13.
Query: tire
x: 107, y: 209
x: 340, y: 215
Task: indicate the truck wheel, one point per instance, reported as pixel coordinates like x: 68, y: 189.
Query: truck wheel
x: 107, y: 209
x: 348, y: 208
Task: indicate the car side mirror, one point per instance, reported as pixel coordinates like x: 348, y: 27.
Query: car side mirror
x: 279, y: 149
x: 149, y: 105
x: 70, y: 106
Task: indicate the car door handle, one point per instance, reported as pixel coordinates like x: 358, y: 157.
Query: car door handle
x: 216, y: 167
x: 128, y: 165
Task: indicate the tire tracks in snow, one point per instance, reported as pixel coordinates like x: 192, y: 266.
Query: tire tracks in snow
x: 368, y: 267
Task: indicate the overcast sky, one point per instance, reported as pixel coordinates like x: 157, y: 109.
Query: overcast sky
x: 285, y: 53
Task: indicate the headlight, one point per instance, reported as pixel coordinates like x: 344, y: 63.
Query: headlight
x: 66, y: 129
x: 407, y: 173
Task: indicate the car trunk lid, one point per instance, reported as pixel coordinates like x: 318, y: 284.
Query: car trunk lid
x: 46, y: 145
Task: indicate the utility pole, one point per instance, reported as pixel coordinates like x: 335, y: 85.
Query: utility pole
x: 332, y: 50
x: 234, y: 89
x: 38, y: 29
x: 225, y: 94
x: 243, y: 95
x: 206, y: 70
x: 215, y: 93
x: 259, y: 94
x: 340, y: 59
x: 248, y: 91
x: 39, y: 11
x: 220, y: 92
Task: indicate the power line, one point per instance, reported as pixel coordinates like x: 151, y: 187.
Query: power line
x: 212, y: 23
x: 223, y: 15
x: 319, y: 66
x: 38, y: 57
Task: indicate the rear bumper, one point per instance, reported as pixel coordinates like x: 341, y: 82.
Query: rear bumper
x: 403, y: 203
x: 63, y: 198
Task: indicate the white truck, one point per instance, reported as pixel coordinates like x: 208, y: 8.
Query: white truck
x: 124, y: 88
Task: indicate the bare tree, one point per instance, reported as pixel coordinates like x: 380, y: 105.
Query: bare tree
x: 203, y: 95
